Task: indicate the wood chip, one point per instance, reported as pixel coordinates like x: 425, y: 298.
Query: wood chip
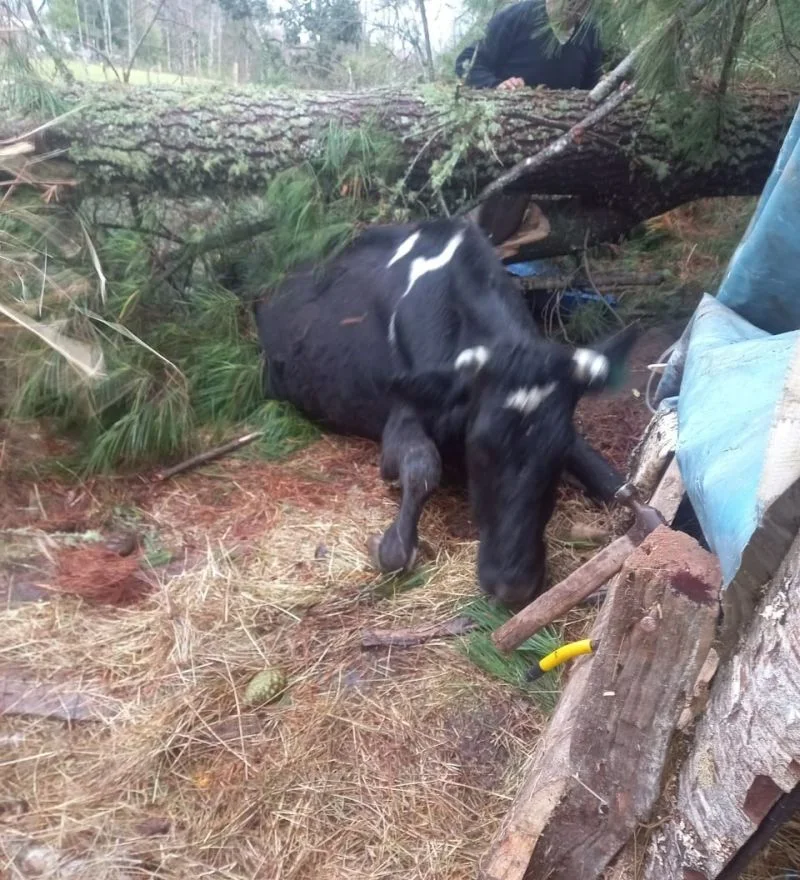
x: 21, y: 696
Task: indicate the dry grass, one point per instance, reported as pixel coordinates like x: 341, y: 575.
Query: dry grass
x: 374, y: 764
x: 780, y: 860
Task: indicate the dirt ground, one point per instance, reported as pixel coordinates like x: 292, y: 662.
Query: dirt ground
x: 137, y: 610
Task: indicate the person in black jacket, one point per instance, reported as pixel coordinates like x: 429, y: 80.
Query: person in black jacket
x: 535, y: 43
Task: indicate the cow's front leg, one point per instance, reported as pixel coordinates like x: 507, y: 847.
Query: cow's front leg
x: 600, y: 479
x: 408, y: 455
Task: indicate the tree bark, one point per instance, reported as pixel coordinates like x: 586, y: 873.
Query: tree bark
x: 746, y: 751
x: 597, y: 771
x: 631, y: 166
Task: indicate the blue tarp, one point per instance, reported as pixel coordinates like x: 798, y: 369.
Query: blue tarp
x: 570, y: 299
x: 732, y: 366
x: 761, y: 283
x: 734, y: 380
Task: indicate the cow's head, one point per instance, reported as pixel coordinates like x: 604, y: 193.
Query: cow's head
x: 517, y: 403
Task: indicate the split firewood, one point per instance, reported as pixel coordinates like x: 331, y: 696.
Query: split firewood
x: 742, y: 770
x: 407, y: 638
x: 596, y: 773
x: 651, y: 454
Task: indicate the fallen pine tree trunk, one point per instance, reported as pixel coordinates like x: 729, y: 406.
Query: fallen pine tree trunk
x: 635, y: 164
x: 598, y: 769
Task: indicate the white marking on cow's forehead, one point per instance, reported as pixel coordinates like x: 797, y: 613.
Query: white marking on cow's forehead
x: 526, y: 400
x: 423, y: 265
x: 472, y: 357
x: 589, y: 365
x: 404, y: 249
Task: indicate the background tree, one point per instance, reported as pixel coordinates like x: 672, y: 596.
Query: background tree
x: 329, y: 25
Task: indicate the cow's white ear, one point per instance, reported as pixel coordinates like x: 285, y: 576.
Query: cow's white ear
x: 472, y: 360
x: 589, y: 367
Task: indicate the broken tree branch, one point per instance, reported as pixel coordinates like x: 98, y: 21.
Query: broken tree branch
x: 210, y: 455
x: 416, y: 635
x: 615, y: 77
x: 555, y: 148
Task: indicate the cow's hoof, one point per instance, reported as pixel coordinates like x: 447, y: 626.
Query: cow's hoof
x: 386, y: 553
x: 373, y: 550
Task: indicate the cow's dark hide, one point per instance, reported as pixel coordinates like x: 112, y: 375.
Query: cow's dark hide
x: 415, y: 335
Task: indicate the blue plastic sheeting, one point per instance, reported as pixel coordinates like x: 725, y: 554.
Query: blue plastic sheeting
x: 734, y: 378
x: 531, y: 268
x: 761, y: 281
x: 570, y: 299
x: 731, y: 367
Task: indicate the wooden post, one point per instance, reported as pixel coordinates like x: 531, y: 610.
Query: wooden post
x: 746, y: 750
x: 597, y: 771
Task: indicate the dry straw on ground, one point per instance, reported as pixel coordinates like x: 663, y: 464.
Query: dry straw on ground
x: 374, y: 764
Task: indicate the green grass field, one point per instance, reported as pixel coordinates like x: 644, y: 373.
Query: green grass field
x: 97, y: 72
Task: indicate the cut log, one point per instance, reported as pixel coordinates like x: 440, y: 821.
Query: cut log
x: 597, y: 771
x: 196, y: 141
x: 746, y: 750
x: 650, y: 456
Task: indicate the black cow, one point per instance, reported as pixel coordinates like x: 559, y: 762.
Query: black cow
x: 415, y: 335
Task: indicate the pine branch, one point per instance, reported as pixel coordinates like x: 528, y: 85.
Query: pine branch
x: 737, y: 35
x: 612, y: 80
x: 620, y: 73
x: 553, y: 149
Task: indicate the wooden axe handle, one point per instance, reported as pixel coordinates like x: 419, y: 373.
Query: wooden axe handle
x: 558, y: 600
x: 561, y: 598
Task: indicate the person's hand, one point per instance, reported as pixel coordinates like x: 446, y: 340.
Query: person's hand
x: 514, y: 82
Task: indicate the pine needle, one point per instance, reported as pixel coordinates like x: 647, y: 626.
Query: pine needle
x: 86, y: 358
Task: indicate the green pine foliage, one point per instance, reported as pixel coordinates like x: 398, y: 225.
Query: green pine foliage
x: 22, y: 89
x: 479, y: 648
x: 720, y: 42
x: 182, y: 362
